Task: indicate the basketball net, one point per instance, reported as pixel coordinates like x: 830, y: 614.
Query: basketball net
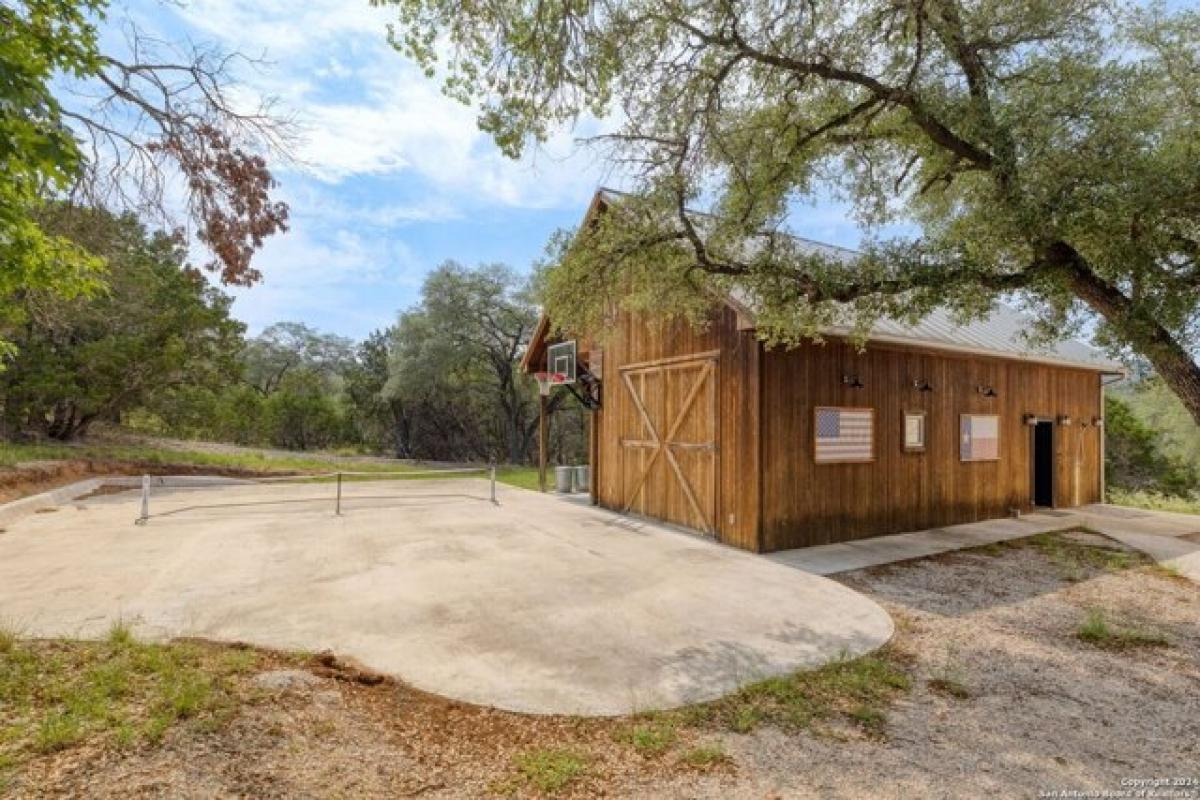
x: 547, y: 380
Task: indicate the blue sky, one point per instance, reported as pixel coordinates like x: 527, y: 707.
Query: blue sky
x: 392, y: 177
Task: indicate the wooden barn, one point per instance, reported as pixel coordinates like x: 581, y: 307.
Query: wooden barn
x: 770, y: 449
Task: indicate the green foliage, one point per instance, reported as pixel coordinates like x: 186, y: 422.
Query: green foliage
x: 1153, y: 403
x: 1134, y: 456
x: 376, y: 418
x: 81, y: 123
x: 1043, y: 147
x: 1189, y: 504
x: 286, y: 347
x: 158, y: 326
x: 286, y: 388
x: 302, y: 415
x: 40, y: 40
x: 454, y: 384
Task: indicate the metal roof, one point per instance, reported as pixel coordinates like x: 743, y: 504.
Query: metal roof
x: 1003, y: 334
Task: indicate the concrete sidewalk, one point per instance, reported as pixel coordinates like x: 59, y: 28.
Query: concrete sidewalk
x: 1165, y: 537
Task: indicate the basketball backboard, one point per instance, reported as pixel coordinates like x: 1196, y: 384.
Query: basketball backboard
x: 560, y: 361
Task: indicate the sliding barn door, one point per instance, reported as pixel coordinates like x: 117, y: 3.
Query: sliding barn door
x: 669, y: 440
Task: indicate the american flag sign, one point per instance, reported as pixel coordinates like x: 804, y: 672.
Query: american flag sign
x: 845, y: 434
x: 979, y: 437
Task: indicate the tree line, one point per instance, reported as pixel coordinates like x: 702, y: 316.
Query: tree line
x: 158, y: 351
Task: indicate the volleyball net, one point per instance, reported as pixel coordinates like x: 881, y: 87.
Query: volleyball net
x: 340, y: 492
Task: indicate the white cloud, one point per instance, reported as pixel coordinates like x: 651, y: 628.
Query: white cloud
x: 281, y: 28
x: 341, y: 280
x: 365, y: 110
x: 384, y: 156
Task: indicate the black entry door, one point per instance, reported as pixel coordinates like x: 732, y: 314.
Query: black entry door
x: 1043, y: 464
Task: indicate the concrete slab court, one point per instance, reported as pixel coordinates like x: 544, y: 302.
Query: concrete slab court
x: 1168, y: 538
x: 534, y: 605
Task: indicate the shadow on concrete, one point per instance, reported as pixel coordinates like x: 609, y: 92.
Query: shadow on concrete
x: 713, y: 670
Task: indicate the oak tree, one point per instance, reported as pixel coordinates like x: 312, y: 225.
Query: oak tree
x: 157, y: 327
x: 1042, y: 150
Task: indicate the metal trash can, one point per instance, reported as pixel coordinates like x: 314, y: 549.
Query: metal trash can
x: 582, y: 484
x: 563, y: 477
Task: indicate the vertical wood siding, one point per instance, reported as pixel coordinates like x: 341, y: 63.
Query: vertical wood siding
x: 807, y: 504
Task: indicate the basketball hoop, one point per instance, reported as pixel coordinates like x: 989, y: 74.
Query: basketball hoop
x: 547, y: 380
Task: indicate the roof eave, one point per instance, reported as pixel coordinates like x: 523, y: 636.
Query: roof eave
x: 1011, y: 355
x: 536, y: 343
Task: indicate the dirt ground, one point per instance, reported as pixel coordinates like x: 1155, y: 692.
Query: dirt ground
x: 1005, y: 699
x: 42, y: 476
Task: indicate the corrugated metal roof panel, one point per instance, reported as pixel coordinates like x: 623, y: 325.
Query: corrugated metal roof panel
x: 1003, y: 334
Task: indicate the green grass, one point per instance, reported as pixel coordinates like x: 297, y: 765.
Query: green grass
x: 8, y: 639
x: 520, y: 477
x: 121, y: 691
x: 1097, y: 630
x: 858, y: 690
x: 1074, y: 558
x: 651, y: 738
x: 1155, y: 501
x: 149, y: 455
x: 704, y: 756
x: 869, y: 718
x: 550, y: 770
x: 523, y: 477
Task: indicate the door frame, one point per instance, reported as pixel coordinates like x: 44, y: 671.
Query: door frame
x: 708, y: 363
x: 1042, y: 420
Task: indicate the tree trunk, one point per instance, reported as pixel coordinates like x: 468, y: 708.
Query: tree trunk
x: 1168, y: 357
x: 67, y: 421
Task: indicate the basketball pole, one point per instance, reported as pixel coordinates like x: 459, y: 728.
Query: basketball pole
x: 542, y: 443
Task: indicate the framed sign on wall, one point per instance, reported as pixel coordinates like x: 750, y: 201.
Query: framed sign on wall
x: 979, y: 437
x: 843, y: 435
x: 914, y: 431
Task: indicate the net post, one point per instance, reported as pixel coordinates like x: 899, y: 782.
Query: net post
x: 338, y: 507
x: 492, y: 477
x: 145, y: 515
